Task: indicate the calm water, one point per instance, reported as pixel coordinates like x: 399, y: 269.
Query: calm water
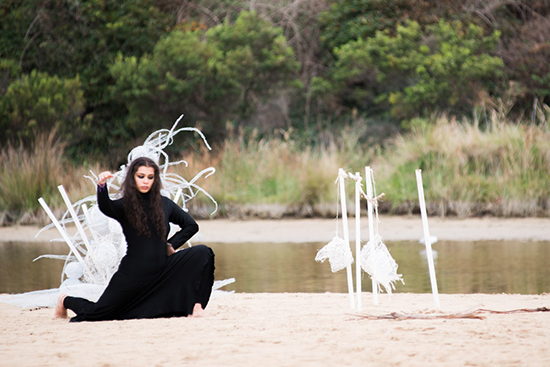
x: 461, y: 267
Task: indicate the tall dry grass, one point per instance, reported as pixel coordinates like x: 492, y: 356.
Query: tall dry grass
x: 501, y: 169
x: 273, y: 177
x: 28, y: 173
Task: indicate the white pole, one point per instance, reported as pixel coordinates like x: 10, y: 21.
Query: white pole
x: 358, y: 239
x: 78, y: 224
x: 370, y: 210
x: 177, y: 197
x: 63, y: 233
x: 87, y: 216
x: 427, y: 239
x: 341, y: 176
x: 74, y: 216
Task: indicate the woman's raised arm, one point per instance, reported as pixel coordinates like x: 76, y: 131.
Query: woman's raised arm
x: 110, y: 208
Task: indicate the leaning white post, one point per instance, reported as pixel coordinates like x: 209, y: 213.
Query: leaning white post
x: 73, y: 215
x: 177, y: 197
x: 341, y: 176
x: 427, y: 239
x: 370, y: 196
x: 63, y: 234
x: 358, y: 239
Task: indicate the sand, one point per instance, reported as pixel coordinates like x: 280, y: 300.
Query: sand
x: 302, y: 329
x: 391, y: 228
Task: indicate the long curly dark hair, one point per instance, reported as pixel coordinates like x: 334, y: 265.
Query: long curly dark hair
x: 133, y: 206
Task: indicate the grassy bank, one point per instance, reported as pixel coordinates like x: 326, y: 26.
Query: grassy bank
x: 27, y: 174
x: 275, y: 177
x: 500, y: 169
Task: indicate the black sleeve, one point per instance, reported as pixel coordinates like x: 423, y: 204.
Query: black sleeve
x: 187, y: 224
x: 111, y: 208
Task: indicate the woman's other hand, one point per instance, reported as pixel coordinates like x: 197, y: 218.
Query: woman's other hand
x: 170, y: 250
x: 104, y: 176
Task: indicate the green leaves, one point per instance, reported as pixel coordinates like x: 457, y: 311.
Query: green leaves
x: 141, y: 63
x: 445, y: 66
x: 82, y: 38
x: 38, y: 103
x: 210, y: 77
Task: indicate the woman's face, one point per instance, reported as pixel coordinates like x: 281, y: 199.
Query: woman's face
x: 144, y: 176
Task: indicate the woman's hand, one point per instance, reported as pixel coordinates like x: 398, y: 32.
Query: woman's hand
x: 104, y: 176
x: 170, y: 250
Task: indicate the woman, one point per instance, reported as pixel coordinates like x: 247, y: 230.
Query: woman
x: 153, y: 280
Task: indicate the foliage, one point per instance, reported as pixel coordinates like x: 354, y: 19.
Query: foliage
x: 527, y: 57
x: 446, y: 67
x: 70, y: 39
x: 298, y: 20
x: 525, y: 45
x: 502, y: 170
x: 84, y: 39
x: 210, y: 79
x: 9, y: 70
x: 38, y: 103
x: 499, y: 169
x: 255, y: 55
x: 30, y: 172
x: 278, y: 171
x: 350, y: 20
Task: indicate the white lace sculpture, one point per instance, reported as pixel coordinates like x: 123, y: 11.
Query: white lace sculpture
x: 92, y: 261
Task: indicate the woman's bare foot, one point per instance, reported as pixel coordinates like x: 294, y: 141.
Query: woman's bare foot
x: 60, y: 310
x: 198, y: 311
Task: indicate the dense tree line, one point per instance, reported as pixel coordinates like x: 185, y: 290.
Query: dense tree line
x: 103, y: 73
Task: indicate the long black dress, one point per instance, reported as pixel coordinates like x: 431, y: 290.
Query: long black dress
x: 148, y: 282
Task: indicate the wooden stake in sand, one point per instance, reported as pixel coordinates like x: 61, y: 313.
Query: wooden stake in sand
x: 427, y: 239
x: 341, y: 176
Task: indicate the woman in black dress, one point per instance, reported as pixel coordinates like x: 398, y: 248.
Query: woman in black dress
x: 153, y: 280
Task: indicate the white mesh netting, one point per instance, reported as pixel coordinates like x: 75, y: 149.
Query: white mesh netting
x: 338, y: 254
x: 375, y: 259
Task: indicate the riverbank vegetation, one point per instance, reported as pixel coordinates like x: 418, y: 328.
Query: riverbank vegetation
x: 287, y: 91
x: 470, y: 168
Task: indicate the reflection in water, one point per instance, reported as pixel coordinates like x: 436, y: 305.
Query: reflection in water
x: 461, y: 267
x: 18, y: 272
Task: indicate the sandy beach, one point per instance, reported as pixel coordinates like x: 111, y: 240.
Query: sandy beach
x: 303, y: 329
x: 391, y: 228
